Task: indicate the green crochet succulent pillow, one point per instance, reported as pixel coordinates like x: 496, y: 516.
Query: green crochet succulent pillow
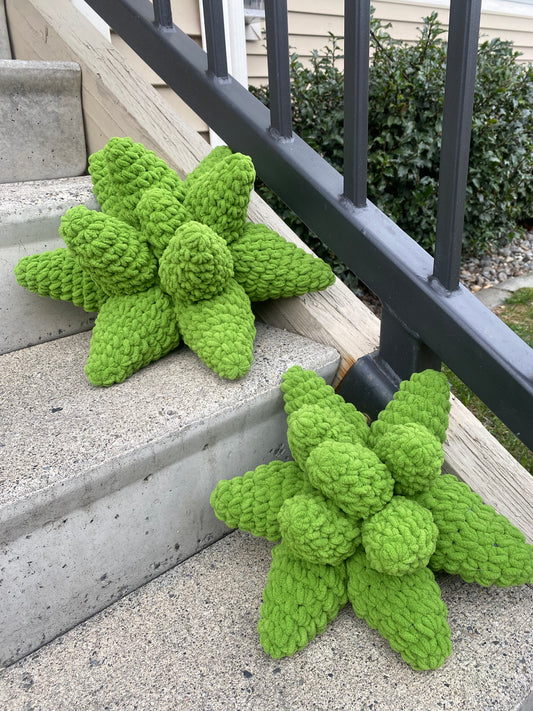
x: 363, y: 514
x: 169, y: 260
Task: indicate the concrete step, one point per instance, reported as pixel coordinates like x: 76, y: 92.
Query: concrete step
x: 42, y: 135
x: 30, y: 213
x: 101, y: 489
x: 187, y: 640
x: 5, y: 45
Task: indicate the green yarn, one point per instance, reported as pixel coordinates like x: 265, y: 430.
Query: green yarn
x: 131, y: 331
x: 268, y: 272
x: 406, y: 610
x: 58, y: 275
x: 337, y: 508
x: 311, y: 425
x: 156, y: 229
x: 160, y: 214
x: 122, y: 171
x: 112, y: 252
x: 252, y: 502
x: 316, y: 530
x: 400, y: 538
x: 412, y: 453
x: 299, y: 601
x: 474, y: 541
x: 221, y: 331
x: 196, y: 265
x: 424, y: 399
x: 219, y: 196
x: 350, y: 475
x: 304, y: 387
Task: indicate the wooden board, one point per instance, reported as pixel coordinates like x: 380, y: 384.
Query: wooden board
x: 118, y: 102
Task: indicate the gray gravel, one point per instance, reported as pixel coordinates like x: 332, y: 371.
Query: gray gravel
x: 499, y: 264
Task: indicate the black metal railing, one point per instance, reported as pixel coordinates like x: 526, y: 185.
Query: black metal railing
x: 427, y: 315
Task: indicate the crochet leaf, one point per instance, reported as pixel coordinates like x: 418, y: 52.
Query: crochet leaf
x: 122, y: 171
x: 350, y: 475
x: 58, y: 275
x: 112, y: 252
x: 474, y: 541
x: 196, y: 265
x: 300, y: 599
x: 400, y: 538
x: 304, y: 387
x: 221, y: 331
x: 252, y: 502
x: 160, y: 214
x: 406, y: 610
x: 219, y: 197
x: 424, y: 398
x: 215, y: 156
x: 310, y: 425
x: 130, y: 332
x: 413, y: 455
x: 316, y: 530
x: 269, y: 267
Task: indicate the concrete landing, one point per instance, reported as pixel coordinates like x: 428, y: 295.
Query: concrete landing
x: 188, y: 641
x: 42, y: 133
x: 101, y: 489
x: 30, y: 214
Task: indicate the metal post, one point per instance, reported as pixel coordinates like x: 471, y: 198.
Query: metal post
x: 456, y: 129
x: 217, y: 63
x: 163, y: 15
x: 279, y: 80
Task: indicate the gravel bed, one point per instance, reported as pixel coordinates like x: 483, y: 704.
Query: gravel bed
x: 499, y: 264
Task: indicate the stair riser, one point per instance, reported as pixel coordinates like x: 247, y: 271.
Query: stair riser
x: 153, y: 512
x: 29, y: 225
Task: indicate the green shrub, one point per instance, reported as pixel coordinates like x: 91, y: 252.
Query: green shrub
x: 406, y: 99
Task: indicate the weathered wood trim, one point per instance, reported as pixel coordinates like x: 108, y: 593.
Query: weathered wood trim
x: 118, y: 102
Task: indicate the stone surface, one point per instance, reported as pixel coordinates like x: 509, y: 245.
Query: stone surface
x: 188, y: 641
x: 42, y: 133
x: 30, y: 214
x: 102, y: 489
x: 5, y: 46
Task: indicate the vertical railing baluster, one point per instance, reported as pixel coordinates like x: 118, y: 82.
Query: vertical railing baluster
x: 279, y: 80
x: 163, y: 14
x: 456, y: 129
x: 356, y: 62
x: 215, y: 40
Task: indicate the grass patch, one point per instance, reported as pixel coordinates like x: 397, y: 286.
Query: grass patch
x: 517, y: 313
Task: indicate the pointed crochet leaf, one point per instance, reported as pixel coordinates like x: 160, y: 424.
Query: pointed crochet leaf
x: 219, y: 197
x: 400, y: 538
x: 304, y: 387
x: 299, y: 601
x: 311, y: 425
x: 474, y: 541
x: 252, y: 502
x: 221, y: 331
x: 424, y: 398
x: 406, y: 610
x: 269, y: 267
x: 413, y: 455
x: 352, y: 476
x: 122, y: 171
x: 130, y: 332
x: 316, y: 530
x: 58, y: 275
x: 112, y: 252
x: 208, y: 163
x: 160, y: 214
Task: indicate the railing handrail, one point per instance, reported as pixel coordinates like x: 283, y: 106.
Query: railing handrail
x: 473, y: 342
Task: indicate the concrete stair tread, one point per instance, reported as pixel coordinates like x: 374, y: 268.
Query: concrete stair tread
x: 188, y: 641
x: 30, y: 213
x: 101, y: 489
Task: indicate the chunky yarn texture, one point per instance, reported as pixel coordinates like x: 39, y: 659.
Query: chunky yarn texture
x: 364, y: 514
x: 169, y: 260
